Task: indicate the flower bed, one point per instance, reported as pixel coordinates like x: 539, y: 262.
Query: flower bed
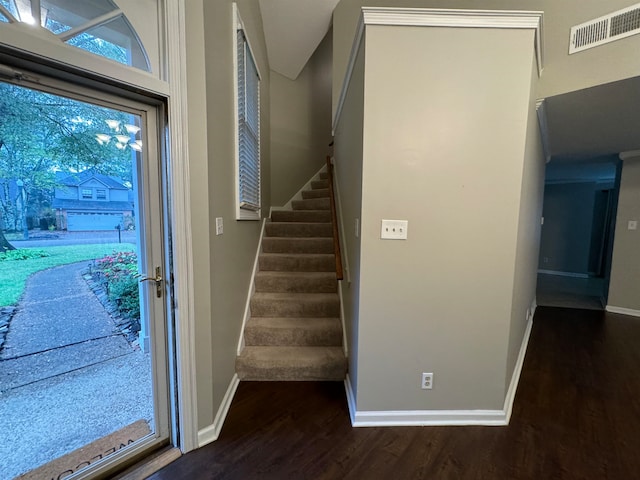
x: 117, y: 273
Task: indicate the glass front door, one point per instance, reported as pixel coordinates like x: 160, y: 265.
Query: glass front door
x: 83, y: 358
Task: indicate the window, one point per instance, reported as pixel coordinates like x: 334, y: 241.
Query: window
x: 248, y: 128
x: 99, y: 26
x: 101, y: 194
x: 87, y: 194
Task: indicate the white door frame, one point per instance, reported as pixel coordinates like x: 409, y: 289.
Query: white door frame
x: 176, y: 53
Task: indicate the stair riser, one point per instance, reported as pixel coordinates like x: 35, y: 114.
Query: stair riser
x: 297, y: 245
x: 294, y: 308
x: 292, y: 336
x: 323, y: 216
x: 295, y: 263
x: 299, y: 229
x: 254, y: 373
x: 266, y: 283
x: 311, y: 204
x: 319, y: 193
x: 319, y: 184
x: 324, y: 175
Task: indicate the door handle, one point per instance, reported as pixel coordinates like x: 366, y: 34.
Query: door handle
x: 158, y: 279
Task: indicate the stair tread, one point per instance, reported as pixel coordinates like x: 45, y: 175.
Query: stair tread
x: 296, y: 274
x: 294, y: 357
x: 293, y: 331
x: 300, y: 223
x: 294, y: 322
x: 297, y: 255
x: 296, y: 297
x: 299, y: 363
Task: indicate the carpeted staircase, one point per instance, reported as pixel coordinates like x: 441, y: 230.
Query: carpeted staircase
x: 295, y: 332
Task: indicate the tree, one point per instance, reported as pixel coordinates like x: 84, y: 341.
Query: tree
x: 41, y: 133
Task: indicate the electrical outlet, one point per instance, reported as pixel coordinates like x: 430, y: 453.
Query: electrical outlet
x: 394, y: 229
x: 219, y: 226
x: 427, y: 381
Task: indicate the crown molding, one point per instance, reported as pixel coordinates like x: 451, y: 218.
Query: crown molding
x: 431, y: 17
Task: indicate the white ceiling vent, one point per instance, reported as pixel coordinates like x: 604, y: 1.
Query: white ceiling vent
x: 614, y: 26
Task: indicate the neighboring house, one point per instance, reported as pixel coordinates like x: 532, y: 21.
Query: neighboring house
x: 92, y: 201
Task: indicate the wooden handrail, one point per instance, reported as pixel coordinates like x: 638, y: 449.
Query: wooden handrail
x: 334, y: 221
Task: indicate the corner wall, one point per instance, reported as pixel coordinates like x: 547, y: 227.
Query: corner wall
x: 528, y: 242
x: 348, y: 171
x: 625, y: 271
x: 444, y: 142
x: 300, y: 123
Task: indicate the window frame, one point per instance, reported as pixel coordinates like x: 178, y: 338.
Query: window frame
x: 242, y: 212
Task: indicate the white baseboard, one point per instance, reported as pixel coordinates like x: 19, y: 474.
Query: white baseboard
x: 252, y: 288
x: 210, y: 434
x: 564, y: 274
x: 399, y: 418
x: 424, y: 418
x: 515, y: 377
x: 623, y: 311
x: 351, y: 398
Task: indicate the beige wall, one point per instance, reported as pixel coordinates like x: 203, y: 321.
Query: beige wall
x: 300, y: 124
x: 222, y: 263
x: 444, y: 143
x: 625, y: 271
x: 348, y: 171
x: 562, y: 73
x: 529, y: 230
x: 199, y: 189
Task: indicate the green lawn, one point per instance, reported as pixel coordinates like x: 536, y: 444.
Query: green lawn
x: 14, y: 273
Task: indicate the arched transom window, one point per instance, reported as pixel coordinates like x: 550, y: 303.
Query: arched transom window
x: 97, y: 26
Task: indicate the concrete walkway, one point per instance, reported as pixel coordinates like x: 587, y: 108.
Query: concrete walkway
x: 67, y: 377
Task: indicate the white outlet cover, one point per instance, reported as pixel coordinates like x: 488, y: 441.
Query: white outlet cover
x: 394, y: 229
x: 219, y: 226
x: 632, y: 225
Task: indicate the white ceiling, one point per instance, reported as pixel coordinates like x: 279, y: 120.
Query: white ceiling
x: 293, y: 29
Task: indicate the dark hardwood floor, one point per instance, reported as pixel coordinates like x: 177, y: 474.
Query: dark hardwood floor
x: 576, y: 416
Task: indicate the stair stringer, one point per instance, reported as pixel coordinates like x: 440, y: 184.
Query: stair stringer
x: 252, y: 287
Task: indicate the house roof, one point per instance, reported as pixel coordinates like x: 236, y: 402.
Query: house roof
x: 77, y: 179
x: 90, y: 205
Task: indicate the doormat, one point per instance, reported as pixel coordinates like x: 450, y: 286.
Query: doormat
x: 70, y: 463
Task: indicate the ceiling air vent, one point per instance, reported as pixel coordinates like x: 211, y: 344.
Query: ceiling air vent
x: 614, y: 26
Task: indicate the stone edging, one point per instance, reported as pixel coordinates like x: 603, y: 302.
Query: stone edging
x: 6, y: 314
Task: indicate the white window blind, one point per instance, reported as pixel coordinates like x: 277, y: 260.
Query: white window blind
x: 248, y: 131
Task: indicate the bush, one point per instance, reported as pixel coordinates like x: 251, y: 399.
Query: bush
x: 118, y: 273
x: 124, y: 293
x: 22, y: 254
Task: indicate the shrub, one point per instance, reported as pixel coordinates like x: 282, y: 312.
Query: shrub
x: 22, y: 254
x: 118, y: 273
x: 124, y: 293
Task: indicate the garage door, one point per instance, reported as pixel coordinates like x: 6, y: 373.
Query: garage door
x: 78, y: 222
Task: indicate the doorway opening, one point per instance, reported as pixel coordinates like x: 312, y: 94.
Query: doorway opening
x: 83, y: 302
x: 579, y: 212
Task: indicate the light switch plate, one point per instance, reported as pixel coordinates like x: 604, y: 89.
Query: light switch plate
x: 632, y: 225
x: 219, y: 226
x: 394, y: 229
